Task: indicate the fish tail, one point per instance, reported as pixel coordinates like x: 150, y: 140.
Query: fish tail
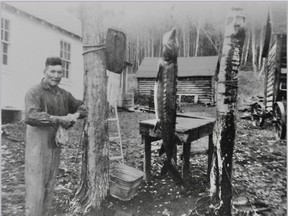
x: 170, y: 165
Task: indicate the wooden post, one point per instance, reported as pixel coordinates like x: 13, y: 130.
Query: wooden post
x: 220, y: 176
x: 94, y: 183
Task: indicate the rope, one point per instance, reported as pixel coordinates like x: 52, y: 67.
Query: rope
x: 230, y: 83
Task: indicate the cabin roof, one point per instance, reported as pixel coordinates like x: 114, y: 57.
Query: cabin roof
x: 50, y: 13
x: 187, y: 66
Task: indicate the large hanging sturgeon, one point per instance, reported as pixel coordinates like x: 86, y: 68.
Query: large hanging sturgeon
x: 165, y: 101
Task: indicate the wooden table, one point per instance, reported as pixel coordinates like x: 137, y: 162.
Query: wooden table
x: 189, y: 127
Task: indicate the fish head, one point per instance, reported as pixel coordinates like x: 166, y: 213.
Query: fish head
x: 170, y: 45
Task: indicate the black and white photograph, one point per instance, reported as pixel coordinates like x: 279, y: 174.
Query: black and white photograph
x: 143, y: 108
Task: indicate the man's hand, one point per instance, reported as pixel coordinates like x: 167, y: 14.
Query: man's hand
x: 65, y: 121
x: 83, y: 111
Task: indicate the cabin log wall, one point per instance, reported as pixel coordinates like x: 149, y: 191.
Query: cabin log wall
x: 202, y: 86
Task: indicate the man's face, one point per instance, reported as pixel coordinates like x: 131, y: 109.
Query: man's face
x: 53, y: 75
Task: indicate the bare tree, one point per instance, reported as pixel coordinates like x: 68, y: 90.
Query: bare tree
x: 245, y: 51
x: 254, y: 49
x: 220, y: 177
x: 197, y: 37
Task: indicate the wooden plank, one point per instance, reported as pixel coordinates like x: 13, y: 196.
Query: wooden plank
x: 194, y: 86
x: 270, y: 86
x: 270, y: 78
x: 146, y: 82
x: 270, y: 93
x: 271, y: 64
x: 272, y: 50
x: 271, y: 58
x: 146, y: 87
x: 269, y: 104
x: 271, y: 67
x: 271, y: 73
x: 194, y: 90
x: 270, y: 98
x: 198, y: 82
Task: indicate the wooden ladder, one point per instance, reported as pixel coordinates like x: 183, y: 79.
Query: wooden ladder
x: 116, y: 154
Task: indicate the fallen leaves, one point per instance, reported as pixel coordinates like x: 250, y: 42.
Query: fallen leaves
x: 259, y: 170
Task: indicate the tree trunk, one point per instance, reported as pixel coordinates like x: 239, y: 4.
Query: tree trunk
x: 94, y: 183
x: 188, y: 42
x: 152, y: 44
x: 245, y: 52
x: 184, y: 40
x: 254, y: 51
x: 197, y: 39
x: 261, y: 49
x: 220, y: 177
x: 137, y: 50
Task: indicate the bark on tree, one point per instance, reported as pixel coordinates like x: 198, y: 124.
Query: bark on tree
x: 188, y: 43
x: 261, y: 49
x: 152, y: 45
x: 184, y: 40
x: 245, y: 52
x: 197, y: 38
x: 254, y: 50
x: 94, y: 183
x: 221, y: 172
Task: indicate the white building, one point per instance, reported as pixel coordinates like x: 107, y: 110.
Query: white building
x: 30, y: 32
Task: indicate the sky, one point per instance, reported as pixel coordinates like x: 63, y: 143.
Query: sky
x: 149, y: 12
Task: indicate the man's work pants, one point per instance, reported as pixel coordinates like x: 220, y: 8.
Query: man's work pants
x: 41, y: 166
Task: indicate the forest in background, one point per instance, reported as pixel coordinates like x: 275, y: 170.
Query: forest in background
x: 200, y: 27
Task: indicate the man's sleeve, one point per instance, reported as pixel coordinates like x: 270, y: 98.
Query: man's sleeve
x: 33, y: 114
x: 77, y: 106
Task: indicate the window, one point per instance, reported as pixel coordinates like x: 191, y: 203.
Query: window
x: 5, y: 25
x: 65, y: 55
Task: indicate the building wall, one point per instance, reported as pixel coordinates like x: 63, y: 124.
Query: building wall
x: 31, y: 42
x: 202, y: 86
x: 276, y: 76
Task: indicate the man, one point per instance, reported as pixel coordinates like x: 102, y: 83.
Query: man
x: 48, y: 108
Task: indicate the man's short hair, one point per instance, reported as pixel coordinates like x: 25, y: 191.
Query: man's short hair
x: 53, y: 61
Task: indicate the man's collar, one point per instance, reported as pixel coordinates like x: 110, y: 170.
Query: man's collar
x: 45, y: 85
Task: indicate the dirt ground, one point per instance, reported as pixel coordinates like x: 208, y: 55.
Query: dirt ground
x: 259, y: 172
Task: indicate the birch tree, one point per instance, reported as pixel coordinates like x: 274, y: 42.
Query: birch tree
x: 197, y: 37
x: 253, y: 46
x: 220, y: 177
x: 245, y: 51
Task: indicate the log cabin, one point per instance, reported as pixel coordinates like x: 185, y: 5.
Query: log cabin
x: 195, y: 77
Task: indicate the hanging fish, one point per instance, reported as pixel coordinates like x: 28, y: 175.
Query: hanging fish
x: 165, y: 89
